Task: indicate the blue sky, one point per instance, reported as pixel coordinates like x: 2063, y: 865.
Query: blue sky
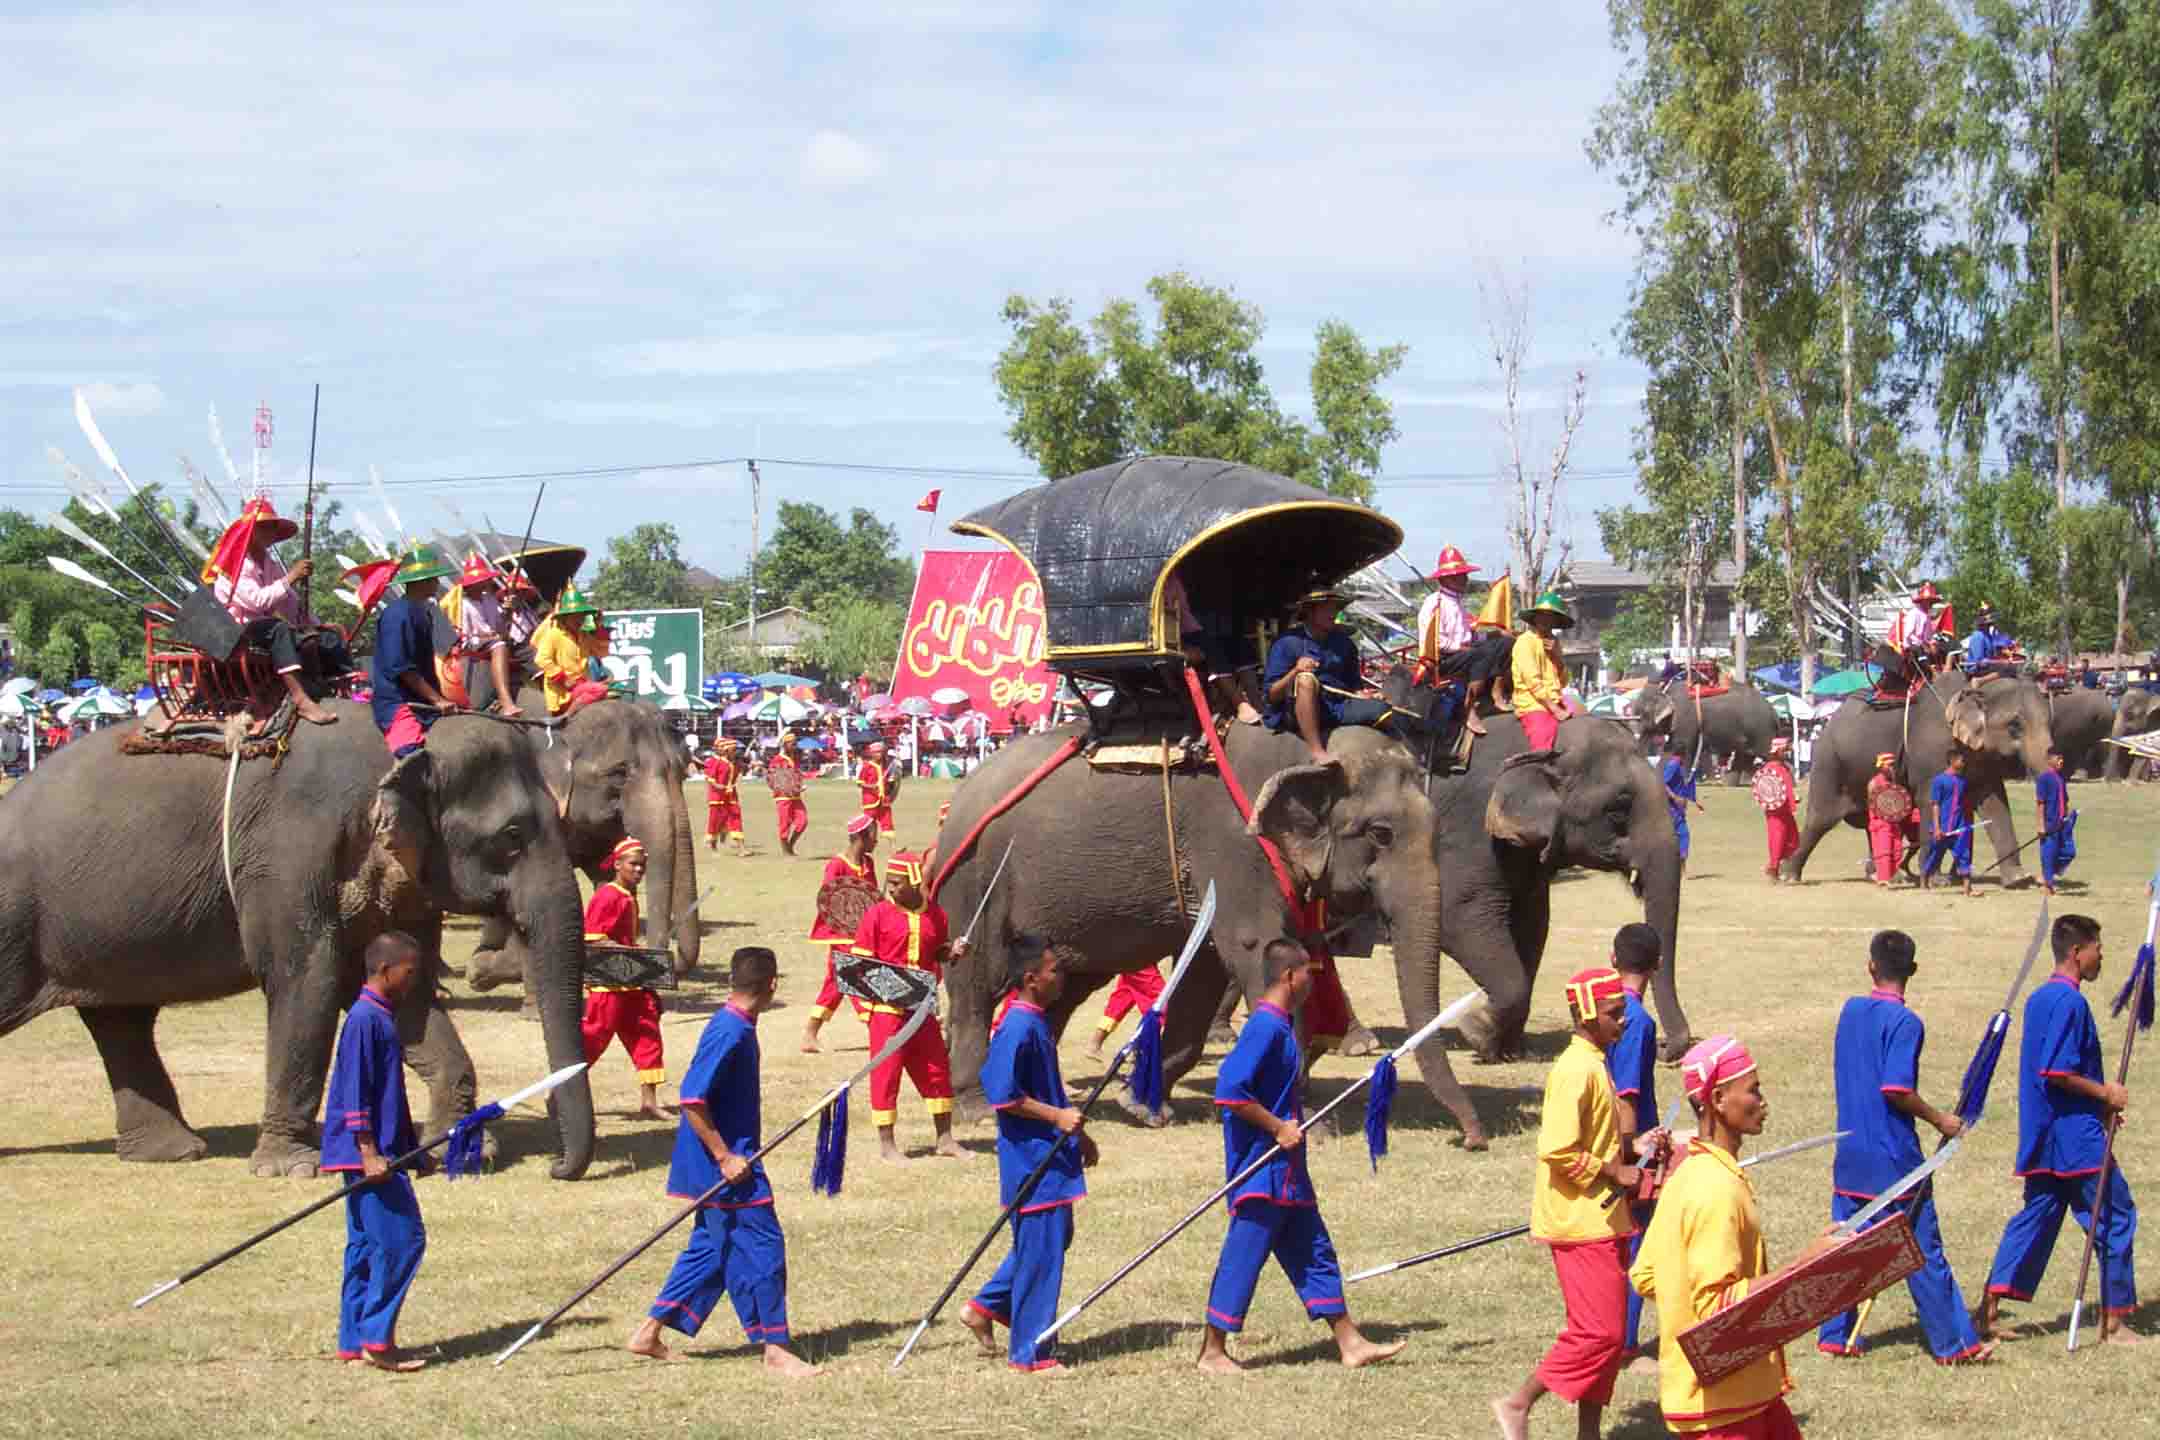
x: 513, y: 238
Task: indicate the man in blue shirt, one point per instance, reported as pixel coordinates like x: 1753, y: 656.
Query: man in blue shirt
x: 737, y: 1248
x: 366, y: 1125
x: 1987, y: 650
x: 402, y: 672
x: 1950, y: 824
x: 1876, y: 1069
x: 1632, y: 1062
x: 1274, y: 1212
x: 2065, y: 1106
x: 1020, y: 1080
x: 1678, y: 776
x: 2058, y: 822
x: 1313, y: 683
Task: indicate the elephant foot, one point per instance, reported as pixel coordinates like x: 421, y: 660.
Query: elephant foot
x: 1673, y: 1047
x: 277, y: 1159
x: 1359, y: 1042
x: 490, y: 968
x: 530, y: 1010
x: 1221, y: 1035
x: 163, y: 1144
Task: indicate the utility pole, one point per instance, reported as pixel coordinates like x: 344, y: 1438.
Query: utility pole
x: 755, y: 486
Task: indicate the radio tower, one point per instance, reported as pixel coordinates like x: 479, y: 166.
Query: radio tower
x: 263, y: 431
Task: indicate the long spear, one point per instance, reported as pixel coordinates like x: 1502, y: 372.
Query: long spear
x: 1495, y: 1237
x: 307, y: 514
x: 1431, y: 1028
x: 411, y: 1157
x: 2137, y: 997
x: 89, y: 542
x: 893, y: 1047
x: 96, y: 437
x: 1193, y: 941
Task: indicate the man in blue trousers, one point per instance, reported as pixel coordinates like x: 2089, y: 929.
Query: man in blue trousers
x: 366, y: 1125
x: 1021, y: 1082
x: 1876, y: 1068
x: 2065, y: 1104
x: 1275, y: 1212
x: 2058, y: 822
x: 1632, y: 1062
x: 1950, y: 824
x: 737, y: 1248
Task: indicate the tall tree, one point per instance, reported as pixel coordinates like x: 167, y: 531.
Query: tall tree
x: 1538, y: 550
x: 1191, y: 384
x: 813, y: 560
x: 644, y: 569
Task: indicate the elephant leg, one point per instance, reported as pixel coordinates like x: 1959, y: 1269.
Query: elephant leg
x: 305, y: 1000
x: 495, y: 961
x: 1994, y: 813
x: 1220, y: 1030
x: 1529, y: 923
x: 146, y: 1108
x: 1818, y: 825
x: 1190, y: 1012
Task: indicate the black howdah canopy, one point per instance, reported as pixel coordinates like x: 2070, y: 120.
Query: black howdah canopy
x: 1244, y: 541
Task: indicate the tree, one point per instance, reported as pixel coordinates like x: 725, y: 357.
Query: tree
x: 58, y: 659
x: 1639, y: 624
x: 861, y: 637
x: 644, y: 569
x: 1533, y: 494
x: 1191, y: 386
x: 812, y: 562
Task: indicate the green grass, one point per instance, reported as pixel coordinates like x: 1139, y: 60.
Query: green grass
x: 248, y: 1346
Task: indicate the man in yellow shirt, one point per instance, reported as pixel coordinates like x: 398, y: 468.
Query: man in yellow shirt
x: 564, y: 648
x: 1704, y: 1251
x: 1582, y: 1174
x: 1541, y: 701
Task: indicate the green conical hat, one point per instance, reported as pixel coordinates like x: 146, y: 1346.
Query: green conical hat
x: 422, y: 561
x: 1550, y: 603
x: 575, y: 602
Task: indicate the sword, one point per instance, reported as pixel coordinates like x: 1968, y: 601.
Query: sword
x: 1193, y: 942
x: 967, y: 936
x: 914, y: 1022
x: 1905, y: 1183
x: 1653, y: 1176
x: 1478, y: 1243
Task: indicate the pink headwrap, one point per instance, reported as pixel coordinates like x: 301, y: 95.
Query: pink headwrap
x: 1711, y: 1063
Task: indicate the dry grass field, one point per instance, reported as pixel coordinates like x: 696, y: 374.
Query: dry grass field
x: 247, y: 1349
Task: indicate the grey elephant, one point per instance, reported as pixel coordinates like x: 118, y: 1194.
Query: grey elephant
x: 1092, y: 871
x: 2001, y: 724
x: 2137, y: 713
x: 615, y: 768
x: 2080, y: 721
x: 1735, y: 728
x: 116, y: 903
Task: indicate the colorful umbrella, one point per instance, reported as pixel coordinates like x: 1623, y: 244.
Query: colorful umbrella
x: 950, y: 695
x: 915, y: 705
x: 876, y: 702
x: 782, y: 708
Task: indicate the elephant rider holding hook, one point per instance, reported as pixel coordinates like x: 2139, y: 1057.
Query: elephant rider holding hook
x: 259, y: 593
x: 1541, y: 701
x: 1906, y: 654
x: 1313, y: 684
x: 1452, y: 653
x: 567, y: 648
x: 1987, y: 650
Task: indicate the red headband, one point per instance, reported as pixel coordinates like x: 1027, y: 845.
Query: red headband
x: 859, y: 824
x: 625, y: 848
x: 1586, y: 989
x: 906, y: 865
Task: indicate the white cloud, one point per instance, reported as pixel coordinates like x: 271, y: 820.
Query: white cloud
x: 835, y: 159
x: 124, y: 400
x: 767, y: 354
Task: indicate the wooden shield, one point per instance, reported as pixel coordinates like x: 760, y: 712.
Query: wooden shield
x: 842, y: 903
x: 865, y: 977
x: 1891, y: 802
x: 785, y: 780
x: 646, y: 969
x: 1772, y: 788
x: 1797, y: 1301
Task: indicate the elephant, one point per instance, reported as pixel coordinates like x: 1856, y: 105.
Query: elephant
x: 2079, y: 720
x: 330, y: 846
x: 2001, y: 724
x: 1091, y: 871
x: 615, y: 768
x: 2137, y: 713
x: 1738, y: 725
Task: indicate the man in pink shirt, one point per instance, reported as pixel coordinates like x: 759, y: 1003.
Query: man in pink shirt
x: 484, y: 637
x: 258, y: 591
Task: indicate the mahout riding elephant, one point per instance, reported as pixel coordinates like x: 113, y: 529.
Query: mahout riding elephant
x: 1091, y: 871
x: 615, y: 768
x: 2001, y: 724
x: 2080, y: 720
x: 2137, y: 713
x: 115, y: 900
x: 1736, y: 726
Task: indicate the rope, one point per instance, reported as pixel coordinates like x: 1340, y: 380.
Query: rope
x: 1012, y: 797
x: 1177, y: 874
x: 1283, y: 881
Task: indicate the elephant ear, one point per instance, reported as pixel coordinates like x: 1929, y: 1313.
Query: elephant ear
x: 404, y: 812
x: 1658, y: 718
x: 1966, y: 716
x: 1524, y: 808
x: 1294, y: 811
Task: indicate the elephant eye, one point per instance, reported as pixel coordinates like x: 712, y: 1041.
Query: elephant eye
x: 511, y: 837
x: 2017, y: 726
x: 1382, y: 833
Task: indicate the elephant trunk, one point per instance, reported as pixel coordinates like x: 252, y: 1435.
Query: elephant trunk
x: 646, y: 814
x: 1417, y: 972
x: 689, y: 926
x: 554, y: 933
x: 1659, y: 879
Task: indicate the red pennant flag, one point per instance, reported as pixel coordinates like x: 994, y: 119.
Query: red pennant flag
x: 929, y: 501
x: 1946, y: 622
x: 374, y: 578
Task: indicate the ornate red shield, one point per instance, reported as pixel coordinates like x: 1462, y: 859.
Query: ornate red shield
x: 1798, y: 1300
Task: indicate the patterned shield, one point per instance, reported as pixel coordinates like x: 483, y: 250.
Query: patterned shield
x: 842, y: 903
x: 640, y: 968
x: 1801, y: 1299
x: 785, y: 780
x: 867, y: 978
x: 1773, y: 787
x: 1892, y: 803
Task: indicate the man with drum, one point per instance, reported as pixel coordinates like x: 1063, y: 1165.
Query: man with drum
x: 628, y: 1012
x: 844, y: 896
x: 1892, y: 828
x: 1775, y: 793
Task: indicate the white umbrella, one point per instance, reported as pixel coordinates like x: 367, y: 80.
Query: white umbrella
x: 783, y: 708
x: 916, y: 705
x: 950, y: 695
x: 20, y: 685
x: 96, y: 702
x: 17, y: 703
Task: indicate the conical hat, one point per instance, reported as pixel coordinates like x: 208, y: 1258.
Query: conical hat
x: 477, y: 571
x: 575, y: 602
x: 1498, y: 611
x: 422, y: 561
x: 1551, y: 604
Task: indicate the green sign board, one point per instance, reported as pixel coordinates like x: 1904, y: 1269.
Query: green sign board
x: 657, y: 653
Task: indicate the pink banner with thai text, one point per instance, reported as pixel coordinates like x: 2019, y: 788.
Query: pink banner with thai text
x: 976, y: 625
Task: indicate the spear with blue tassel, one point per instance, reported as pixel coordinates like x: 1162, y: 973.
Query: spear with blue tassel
x: 2136, y: 996
x: 1133, y: 1047
x: 1425, y: 1032
x: 463, y: 1139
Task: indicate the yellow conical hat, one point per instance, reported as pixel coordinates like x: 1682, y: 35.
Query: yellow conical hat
x: 1498, y: 612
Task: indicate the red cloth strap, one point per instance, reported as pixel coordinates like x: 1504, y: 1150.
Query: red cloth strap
x: 1283, y: 882
x: 1035, y: 777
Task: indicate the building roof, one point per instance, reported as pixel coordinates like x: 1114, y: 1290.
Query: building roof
x: 1604, y: 575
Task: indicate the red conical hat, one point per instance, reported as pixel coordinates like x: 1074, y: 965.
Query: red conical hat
x: 1451, y: 563
x: 1927, y: 594
x: 477, y: 571
x: 259, y: 523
